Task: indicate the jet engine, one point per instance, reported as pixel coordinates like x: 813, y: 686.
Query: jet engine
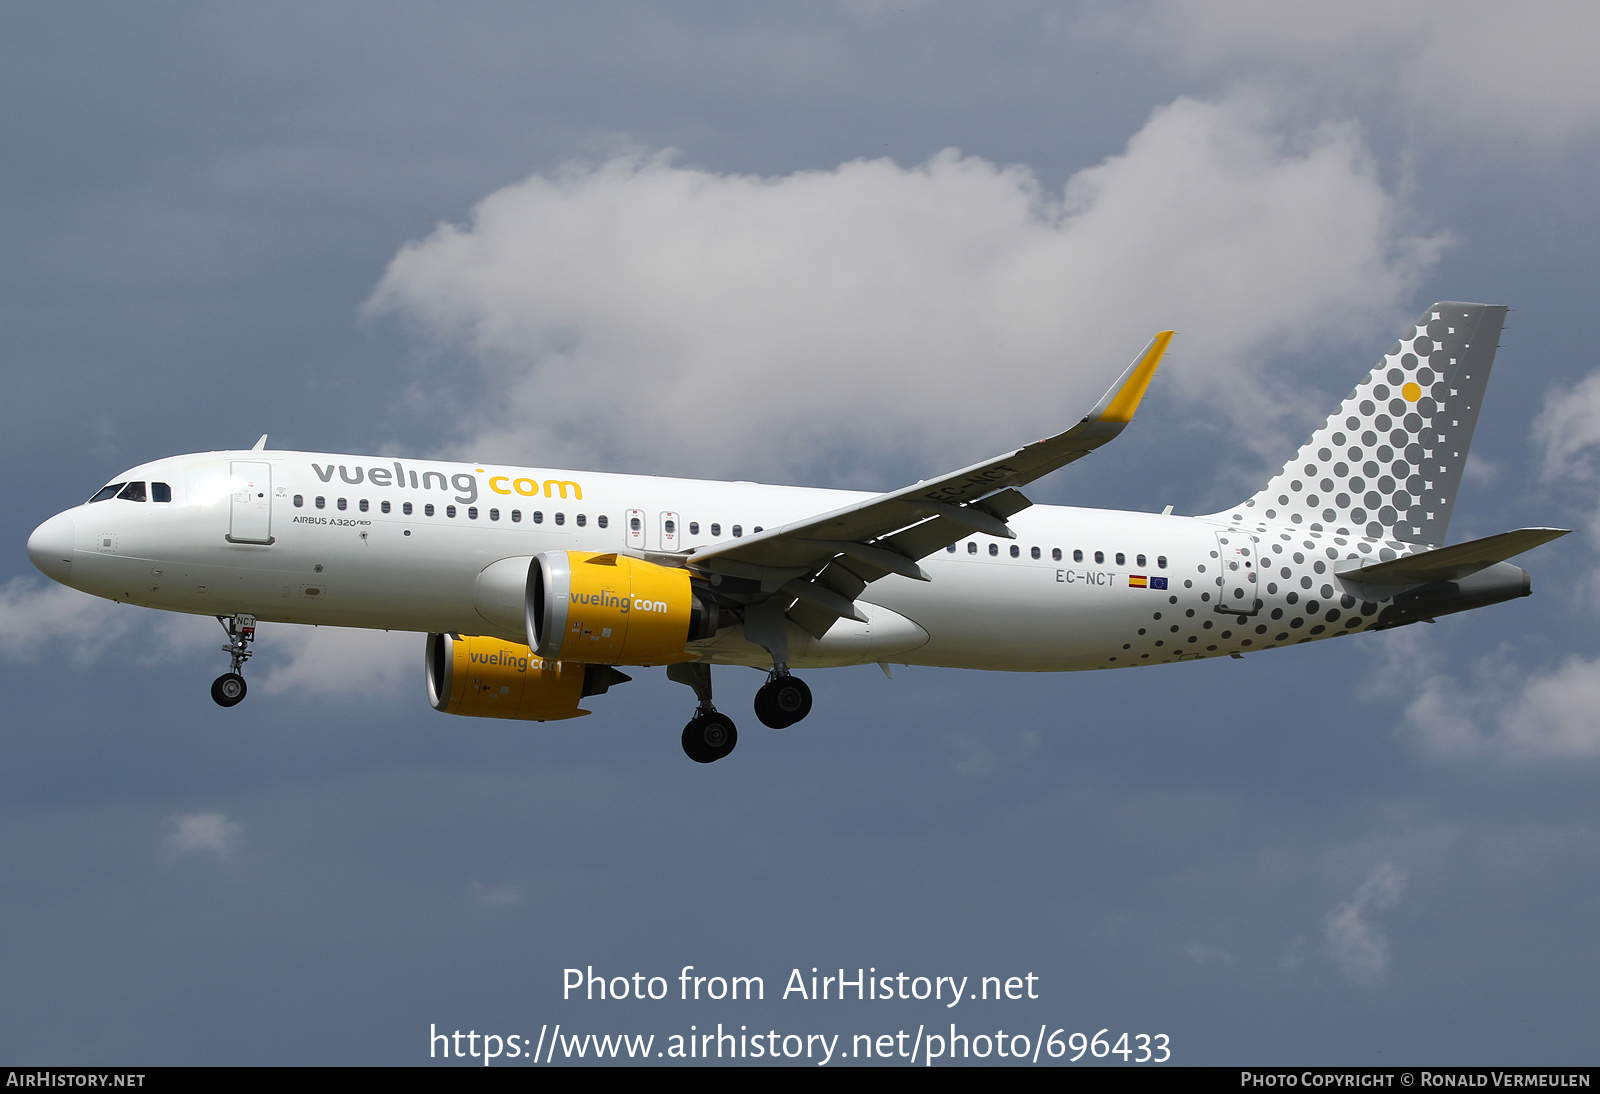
x: 489, y: 678
x: 615, y: 610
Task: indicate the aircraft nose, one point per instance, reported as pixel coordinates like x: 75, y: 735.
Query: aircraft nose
x: 50, y: 547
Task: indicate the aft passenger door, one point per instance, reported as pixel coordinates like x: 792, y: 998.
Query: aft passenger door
x: 1237, y: 590
x: 250, y: 519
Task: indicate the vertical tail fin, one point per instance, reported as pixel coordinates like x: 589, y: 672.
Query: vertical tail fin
x: 1387, y: 464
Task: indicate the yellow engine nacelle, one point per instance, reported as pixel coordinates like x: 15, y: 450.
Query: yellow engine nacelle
x: 490, y: 678
x: 614, y: 610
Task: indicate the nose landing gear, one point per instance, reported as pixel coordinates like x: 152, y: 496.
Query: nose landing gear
x: 229, y: 689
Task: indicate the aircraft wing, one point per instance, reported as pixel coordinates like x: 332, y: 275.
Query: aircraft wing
x: 822, y: 563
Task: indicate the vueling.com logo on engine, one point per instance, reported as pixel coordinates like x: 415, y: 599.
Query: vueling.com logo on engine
x: 623, y: 604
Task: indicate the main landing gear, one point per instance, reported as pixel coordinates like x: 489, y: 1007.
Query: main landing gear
x: 783, y: 700
x: 229, y: 688
x: 710, y: 735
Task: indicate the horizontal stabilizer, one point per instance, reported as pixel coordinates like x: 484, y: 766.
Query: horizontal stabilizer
x: 1453, y: 563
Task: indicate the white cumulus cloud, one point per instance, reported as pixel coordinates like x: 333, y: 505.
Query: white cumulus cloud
x: 343, y: 662
x: 203, y: 833
x: 816, y: 325
x: 1356, y: 942
x: 1522, y: 71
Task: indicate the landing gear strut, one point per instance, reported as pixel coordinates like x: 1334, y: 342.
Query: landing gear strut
x: 709, y: 736
x: 783, y: 700
x: 229, y: 688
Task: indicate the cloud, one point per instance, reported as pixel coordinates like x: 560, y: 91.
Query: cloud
x: 495, y: 896
x: 343, y: 662
x: 1358, y: 945
x: 1506, y: 711
x: 637, y: 313
x: 1520, y: 71
x: 36, y: 617
x: 203, y: 833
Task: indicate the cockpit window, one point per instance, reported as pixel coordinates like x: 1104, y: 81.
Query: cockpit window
x: 107, y: 492
x: 134, y: 491
x: 160, y: 491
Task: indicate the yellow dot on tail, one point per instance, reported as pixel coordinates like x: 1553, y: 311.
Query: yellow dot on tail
x: 1412, y: 392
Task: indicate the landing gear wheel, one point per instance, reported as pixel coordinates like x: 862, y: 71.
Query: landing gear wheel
x: 783, y: 701
x: 228, y: 689
x: 709, y: 737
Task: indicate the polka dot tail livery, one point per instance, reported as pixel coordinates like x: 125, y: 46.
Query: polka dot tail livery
x: 1387, y: 464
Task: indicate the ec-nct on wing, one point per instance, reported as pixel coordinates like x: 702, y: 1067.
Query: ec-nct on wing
x: 825, y: 561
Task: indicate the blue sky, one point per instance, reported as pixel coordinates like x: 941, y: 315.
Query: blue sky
x: 840, y: 244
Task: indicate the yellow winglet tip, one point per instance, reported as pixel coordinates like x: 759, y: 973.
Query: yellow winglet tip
x: 1128, y: 397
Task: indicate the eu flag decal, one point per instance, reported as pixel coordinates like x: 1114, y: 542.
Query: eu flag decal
x: 1139, y: 581
x: 1158, y: 583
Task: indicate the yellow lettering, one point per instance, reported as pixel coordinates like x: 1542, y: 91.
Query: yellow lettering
x: 499, y: 489
x: 562, y: 486
x: 527, y: 488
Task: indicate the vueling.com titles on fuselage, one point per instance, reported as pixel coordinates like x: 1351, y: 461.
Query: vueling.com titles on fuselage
x: 465, y: 484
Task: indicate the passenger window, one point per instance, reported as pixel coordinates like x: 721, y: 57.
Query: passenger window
x: 1161, y: 562
x: 1122, y: 559
x: 516, y: 516
x: 134, y: 491
x: 1035, y: 552
x: 449, y: 510
x: 494, y: 514
x: 472, y: 512
x: 299, y: 501
x: 406, y: 508
x: 601, y: 520
x: 322, y: 502
x: 1016, y: 552
x: 972, y: 548
x: 364, y: 506
x: 160, y: 491
x: 694, y: 528
x: 538, y: 516
x: 581, y: 519
x: 1077, y: 556
x: 1100, y: 556
x: 107, y: 492
x: 670, y: 526
x: 561, y: 518
x: 384, y: 506
x: 343, y: 504
x: 994, y: 549
x: 1055, y: 553
x: 716, y: 529
x: 634, y: 524
x: 427, y: 510
x: 737, y: 531
x: 951, y: 548
x: 1140, y: 561
x: 757, y: 529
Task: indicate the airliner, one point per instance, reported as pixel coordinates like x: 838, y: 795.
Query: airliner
x: 537, y: 586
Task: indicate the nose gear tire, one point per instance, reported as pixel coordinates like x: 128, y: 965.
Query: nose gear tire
x: 228, y: 689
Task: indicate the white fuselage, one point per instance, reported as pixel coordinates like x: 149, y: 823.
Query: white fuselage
x: 1077, y: 589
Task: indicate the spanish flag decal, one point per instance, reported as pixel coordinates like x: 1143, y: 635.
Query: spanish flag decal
x: 1138, y: 581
